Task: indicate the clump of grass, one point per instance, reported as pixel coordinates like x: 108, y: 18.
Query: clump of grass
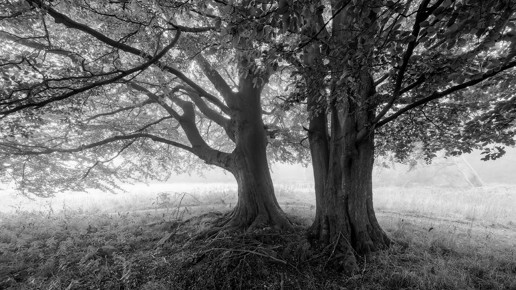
x: 145, y: 242
x: 147, y: 250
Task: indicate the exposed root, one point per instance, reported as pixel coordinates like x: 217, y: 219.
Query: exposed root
x: 246, y: 259
x: 230, y: 222
x: 230, y: 256
x: 340, y: 256
x: 261, y: 221
x: 344, y: 251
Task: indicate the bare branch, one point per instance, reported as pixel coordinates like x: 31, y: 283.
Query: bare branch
x: 421, y: 16
x: 14, y: 15
x: 153, y: 123
x: 419, y: 81
x: 215, y: 78
x: 36, y: 45
x: 188, y: 124
x: 157, y: 99
x: 199, y: 146
x: 110, y: 159
x: 123, y: 109
x: 193, y: 29
x: 210, y: 113
x: 381, y: 79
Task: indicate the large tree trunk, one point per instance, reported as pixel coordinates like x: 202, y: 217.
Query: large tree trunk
x: 319, y: 150
x: 257, y: 205
x: 345, y: 215
x: 345, y: 218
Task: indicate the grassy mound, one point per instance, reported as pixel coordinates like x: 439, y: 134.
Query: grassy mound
x: 149, y: 251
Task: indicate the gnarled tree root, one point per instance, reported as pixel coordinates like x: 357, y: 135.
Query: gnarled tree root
x: 235, y: 222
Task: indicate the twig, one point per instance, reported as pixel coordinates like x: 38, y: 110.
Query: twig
x: 179, y: 205
x: 333, y: 251
x: 250, y: 252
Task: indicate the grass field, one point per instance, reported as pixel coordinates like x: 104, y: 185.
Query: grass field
x: 446, y: 239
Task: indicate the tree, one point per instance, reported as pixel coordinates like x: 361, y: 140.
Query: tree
x: 385, y: 76
x: 109, y: 90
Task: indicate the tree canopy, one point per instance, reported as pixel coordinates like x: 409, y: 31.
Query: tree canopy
x: 442, y: 70
x: 110, y: 90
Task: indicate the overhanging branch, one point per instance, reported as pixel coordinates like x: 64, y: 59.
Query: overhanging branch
x: 36, y: 45
x: 211, y: 114
x: 122, y: 74
x: 21, y: 151
x: 188, y: 124
x: 215, y: 78
x: 438, y: 95
x: 199, y: 145
x: 146, y: 102
x: 157, y: 99
x: 421, y: 16
x: 68, y: 22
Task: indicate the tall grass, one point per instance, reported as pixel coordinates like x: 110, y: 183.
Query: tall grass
x: 446, y: 238
x: 492, y: 205
x: 488, y: 205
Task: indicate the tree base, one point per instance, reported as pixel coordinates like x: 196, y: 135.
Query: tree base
x: 241, y: 220
x: 233, y: 221
x: 344, y: 243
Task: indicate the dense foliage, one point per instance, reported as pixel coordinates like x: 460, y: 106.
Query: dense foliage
x: 101, y: 92
x: 442, y: 70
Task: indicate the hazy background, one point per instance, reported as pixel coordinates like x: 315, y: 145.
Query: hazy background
x: 442, y: 172
x: 294, y: 185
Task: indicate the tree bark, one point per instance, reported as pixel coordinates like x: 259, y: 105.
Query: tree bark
x: 345, y: 215
x: 345, y: 220
x: 257, y: 205
x: 319, y: 150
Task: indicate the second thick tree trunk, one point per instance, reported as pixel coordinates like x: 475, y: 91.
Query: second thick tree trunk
x: 345, y: 215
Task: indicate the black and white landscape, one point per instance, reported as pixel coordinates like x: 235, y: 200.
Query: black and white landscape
x: 238, y: 144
